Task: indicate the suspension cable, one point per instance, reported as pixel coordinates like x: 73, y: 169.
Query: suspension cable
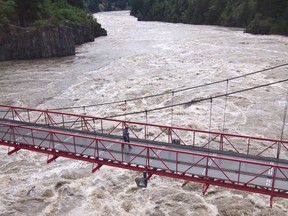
x: 225, y: 106
x: 284, y: 117
x: 283, y: 126
x: 84, y: 110
x: 168, y: 92
x: 233, y: 78
x: 210, y: 119
x: 172, y: 108
x: 194, y: 101
x: 146, y: 120
x: 125, y: 108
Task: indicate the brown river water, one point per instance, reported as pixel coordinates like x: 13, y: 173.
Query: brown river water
x: 138, y: 59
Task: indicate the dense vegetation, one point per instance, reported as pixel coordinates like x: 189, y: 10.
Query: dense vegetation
x: 107, y: 5
x: 257, y: 16
x: 38, y: 12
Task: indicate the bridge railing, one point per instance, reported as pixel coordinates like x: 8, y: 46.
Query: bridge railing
x: 249, y: 145
x: 244, y: 174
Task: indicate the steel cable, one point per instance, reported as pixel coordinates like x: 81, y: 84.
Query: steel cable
x: 172, y: 91
x: 189, y: 103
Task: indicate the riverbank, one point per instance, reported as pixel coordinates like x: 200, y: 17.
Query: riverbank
x: 256, y: 16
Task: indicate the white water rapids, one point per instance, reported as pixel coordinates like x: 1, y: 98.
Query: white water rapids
x: 139, y: 59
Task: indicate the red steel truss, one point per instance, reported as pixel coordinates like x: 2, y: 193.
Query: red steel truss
x: 264, y: 147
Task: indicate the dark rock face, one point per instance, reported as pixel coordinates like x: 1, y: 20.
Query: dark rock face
x: 86, y: 32
x: 99, y: 31
x: 46, y: 41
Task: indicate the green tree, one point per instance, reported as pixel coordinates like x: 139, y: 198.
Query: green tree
x: 216, y: 8
x: 200, y: 8
x: 259, y: 16
x: 30, y: 10
x: 7, y: 12
x: 247, y: 13
x: 136, y: 7
x: 271, y: 8
x: 76, y: 3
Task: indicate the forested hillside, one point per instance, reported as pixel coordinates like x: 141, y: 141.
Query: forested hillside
x: 39, y: 12
x: 257, y: 16
x: 44, y: 28
x: 26, y: 12
x: 107, y: 5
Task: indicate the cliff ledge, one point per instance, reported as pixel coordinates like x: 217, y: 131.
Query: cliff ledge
x: 46, y: 41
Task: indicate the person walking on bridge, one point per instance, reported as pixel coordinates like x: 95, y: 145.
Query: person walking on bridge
x: 126, y: 136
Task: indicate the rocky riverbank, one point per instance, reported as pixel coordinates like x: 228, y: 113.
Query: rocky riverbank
x: 17, y: 43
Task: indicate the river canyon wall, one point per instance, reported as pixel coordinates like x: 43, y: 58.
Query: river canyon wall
x: 17, y: 43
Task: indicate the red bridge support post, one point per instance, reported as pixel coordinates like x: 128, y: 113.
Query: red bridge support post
x: 98, y: 166
x: 13, y: 151
x: 205, y: 188
x: 54, y: 157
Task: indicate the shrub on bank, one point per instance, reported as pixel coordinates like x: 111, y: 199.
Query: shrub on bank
x: 26, y: 13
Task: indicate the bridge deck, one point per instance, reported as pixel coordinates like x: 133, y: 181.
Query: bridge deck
x: 220, y: 166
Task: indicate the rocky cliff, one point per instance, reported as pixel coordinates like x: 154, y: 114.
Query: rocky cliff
x: 45, y: 41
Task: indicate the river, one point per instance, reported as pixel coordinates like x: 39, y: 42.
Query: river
x: 139, y: 59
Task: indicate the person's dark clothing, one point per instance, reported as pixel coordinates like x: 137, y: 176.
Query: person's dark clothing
x: 126, y: 136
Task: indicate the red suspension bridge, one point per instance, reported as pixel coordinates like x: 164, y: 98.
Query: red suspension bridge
x: 234, y: 161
